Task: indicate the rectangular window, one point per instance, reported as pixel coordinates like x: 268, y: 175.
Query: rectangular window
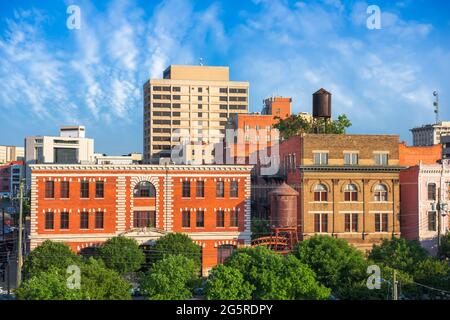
x: 234, y: 189
x: 49, y: 220
x: 321, y: 222
x: 350, y: 159
x: 432, y: 192
x: 200, y: 189
x: 99, y: 217
x: 381, y: 222
x: 84, y: 189
x: 64, y: 188
x: 351, y: 222
x: 321, y: 158
x: 432, y: 221
x: 64, y: 221
x: 99, y: 189
x: 186, y: 219
x: 220, y: 219
x: 186, y: 189
x: 220, y: 189
x: 200, y: 219
x: 84, y: 220
x: 234, y: 219
x: 381, y: 159
x: 144, y: 219
x: 49, y: 189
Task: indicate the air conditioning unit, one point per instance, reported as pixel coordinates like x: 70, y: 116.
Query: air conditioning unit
x: 433, y: 206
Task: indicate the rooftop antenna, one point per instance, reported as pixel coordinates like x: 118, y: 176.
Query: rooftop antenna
x: 200, y: 62
x: 436, y: 105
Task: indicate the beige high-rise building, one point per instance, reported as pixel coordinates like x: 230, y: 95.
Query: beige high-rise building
x: 190, y: 106
x: 11, y: 153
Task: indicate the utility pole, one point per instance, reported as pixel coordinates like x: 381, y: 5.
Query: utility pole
x: 439, y: 218
x: 19, y: 246
x: 394, y: 286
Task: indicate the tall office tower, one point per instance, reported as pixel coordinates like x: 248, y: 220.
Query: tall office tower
x: 190, y: 106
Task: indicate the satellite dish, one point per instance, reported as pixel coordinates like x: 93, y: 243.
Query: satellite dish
x: 435, y: 93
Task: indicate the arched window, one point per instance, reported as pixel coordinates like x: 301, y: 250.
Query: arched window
x: 380, y: 193
x: 351, y: 192
x: 145, y: 189
x: 320, y: 193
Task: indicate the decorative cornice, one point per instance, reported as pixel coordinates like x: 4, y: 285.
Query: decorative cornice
x: 351, y: 168
x: 140, y: 167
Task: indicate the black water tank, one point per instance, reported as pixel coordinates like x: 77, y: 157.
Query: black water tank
x: 322, y: 104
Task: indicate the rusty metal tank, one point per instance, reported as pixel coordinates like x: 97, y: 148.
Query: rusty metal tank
x: 283, y: 206
x: 322, y: 104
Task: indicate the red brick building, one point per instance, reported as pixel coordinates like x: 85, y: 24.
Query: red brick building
x: 84, y: 205
x: 413, y: 156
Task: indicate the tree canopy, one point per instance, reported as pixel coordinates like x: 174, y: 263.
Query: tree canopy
x: 275, y: 276
x: 175, y: 244
x: 226, y: 283
x: 297, y: 124
x: 122, y: 254
x: 337, y: 264
x: 171, y: 278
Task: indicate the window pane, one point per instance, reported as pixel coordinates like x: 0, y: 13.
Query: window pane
x: 234, y: 219
x: 324, y: 222
x: 432, y: 221
x: 186, y: 189
x: 84, y: 220
x: 49, y: 189
x: 84, y: 189
x: 49, y: 219
x: 99, y: 220
x: 316, y: 222
x: 355, y: 222
x: 220, y: 223
x: 186, y: 219
x: 347, y: 222
x: 64, y: 189
x: 233, y: 189
x: 220, y: 189
x: 64, y: 222
x: 99, y: 189
x: 200, y: 190
x: 377, y: 222
x: 200, y: 219
x: 385, y: 222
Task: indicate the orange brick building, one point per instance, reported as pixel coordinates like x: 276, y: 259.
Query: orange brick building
x: 412, y: 156
x: 84, y: 205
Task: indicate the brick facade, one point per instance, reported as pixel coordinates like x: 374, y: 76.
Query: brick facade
x: 119, y: 204
x: 412, y: 156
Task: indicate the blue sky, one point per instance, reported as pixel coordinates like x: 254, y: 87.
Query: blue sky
x: 382, y: 79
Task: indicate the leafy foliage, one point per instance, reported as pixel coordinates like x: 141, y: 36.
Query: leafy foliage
x: 122, y: 254
x: 97, y: 283
x: 175, y: 244
x: 260, y: 228
x: 337, y: 264
x: 226, y: 283
x: 297, y: 124
x: 399, y: 253
x: 49, y: 254
x: 276, y: 277
x: 444, y: 249
x: 171, y: 278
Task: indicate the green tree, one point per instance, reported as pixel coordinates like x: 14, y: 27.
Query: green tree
x: 175, y: 244
x: 226, y: 283
x: 297, y: 124
x: 122, y: 254
x: 50, y: 284
x: 399, y: 253
x: 260, y: 228
x: 96, y: 283
x: 49, y: 254
x: 444, y: 248
x: 337, y: 264
x: 171, y: 278
x: 275, y: 276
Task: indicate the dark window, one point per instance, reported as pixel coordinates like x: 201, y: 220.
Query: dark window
x: 99, y: 189
x: 432, y: 221
x: 321, y: 222
x: 186, y: 219
x: 381, y: 222
x: 223, y: 90
x: 220, y: 219
x: 176, y: 89
x: 200, y: 189
x: 432, y: 192
x: 49, y: 189
x: 220, y: 189
x: 200, y: 219
x: 234, y: 189
x: 351, y: 222
x: 84, y: 220
x: 176, y: 97
x: 49, y: 220
x: 64, y: 221
x: 143, y: 219
x: 234, y: 218
x: 321, y: 193
x: 223, y: 98
x: 351, y: 193
x: 99, y: 217
x: 186, y: 189
x: 200, y: 98
x: 65, y: 193
x: 144, y: 189
x: 66, y: 155
x: 223, y: 107
x: 223, y: 252
x: 84, y: 189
